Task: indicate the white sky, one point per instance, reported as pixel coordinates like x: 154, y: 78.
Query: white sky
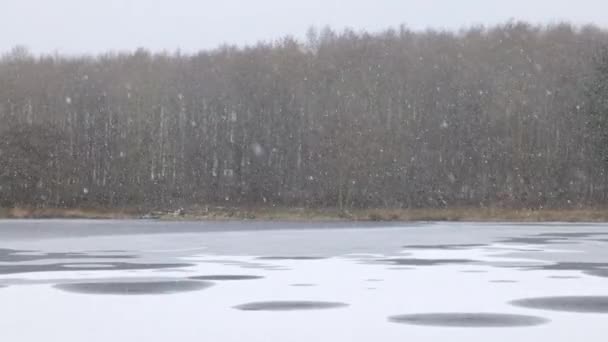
x: 92, y: 26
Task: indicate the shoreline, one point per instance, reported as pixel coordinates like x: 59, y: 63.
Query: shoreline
x: 590, y: 215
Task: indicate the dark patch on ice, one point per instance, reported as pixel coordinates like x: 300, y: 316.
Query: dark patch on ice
x: 571, y: 266
x: 603, y: 273
x: 291, y: 258
x: 248, y: 265
x: 266, y: 267
x: 303, y: 285
x: 61, y: 267
x: 535, y: 241
x: 167, y: 270
x: 289, y: 306
x: 226, y: 277
x: 523, y: 265
x: 108, y: 251
x: 579, y: 304
x: 513, y: 249
x: 362, y: 256
x: 425, y: 262
x: 504, y: 281
x: 470, y: 320
x: 401, y: 268
x: 371, y: 288
x: 446, y: 247
x: 564, y: 277
x: 227, y: 262
x: 14, y: 255
x: 554, y: 238
x: 57, y: 281
x: 573, y: 235
x: 130, y: 288
x: 90, y: 266
x: 374, y: 280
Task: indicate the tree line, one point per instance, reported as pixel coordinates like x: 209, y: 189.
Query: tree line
x: 514, y: 115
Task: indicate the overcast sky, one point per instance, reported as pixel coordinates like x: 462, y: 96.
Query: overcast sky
x: 93, y: 26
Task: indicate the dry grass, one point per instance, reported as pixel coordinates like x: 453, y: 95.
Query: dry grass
x: 489, y: 215
x: 307, y: 214
x: 258, y: 213
x: 76, y: 213
x: 385, y: 215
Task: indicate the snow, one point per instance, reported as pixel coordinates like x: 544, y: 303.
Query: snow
x: 258, y: 150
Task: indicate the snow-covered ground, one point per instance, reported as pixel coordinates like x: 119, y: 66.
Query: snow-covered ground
x: 157, y: 281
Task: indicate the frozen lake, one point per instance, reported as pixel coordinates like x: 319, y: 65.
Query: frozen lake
x: 74, y: 281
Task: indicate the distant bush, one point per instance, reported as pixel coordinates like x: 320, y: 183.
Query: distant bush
x: 374, y: 216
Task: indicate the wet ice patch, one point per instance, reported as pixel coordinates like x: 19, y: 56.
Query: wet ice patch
x: 291, y: 258
x: 446, y: 247
x: 535, y: 240
x: 226, y: 277
x: 425, y: 262
x: 580, y: 304
x: 72, y: 280
x: 573, y: 235
x: 14, y: 255
x: 469, y: 320
x: 603, y: 273
x: 130, y: 288
x: 62, y: 267
x: 248, y: 265
x: 107, y: 251
x: 289, y: 306
x: 89, y: 265
x: 572, y: 266
x: 266, y: 267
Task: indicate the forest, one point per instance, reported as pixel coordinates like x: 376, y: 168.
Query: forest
x: 509, y: 116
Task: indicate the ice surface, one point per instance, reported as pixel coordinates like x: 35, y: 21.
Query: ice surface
x: 76, y: 280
